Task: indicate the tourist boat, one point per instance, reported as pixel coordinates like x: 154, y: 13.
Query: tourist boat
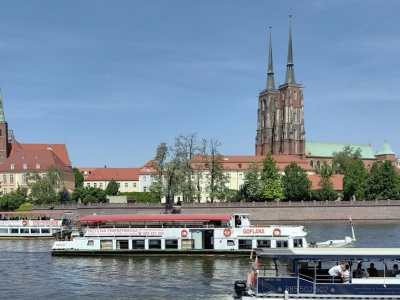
x: 33, y: 224
x: 303, y: 274
x: 182, y: 234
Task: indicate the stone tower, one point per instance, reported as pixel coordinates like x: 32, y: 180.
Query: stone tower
x: 6, y: 136
x: 280, y: 126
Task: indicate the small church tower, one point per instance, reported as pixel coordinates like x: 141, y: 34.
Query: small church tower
x: 280, y: 126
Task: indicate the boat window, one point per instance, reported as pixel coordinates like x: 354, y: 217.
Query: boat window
x: 106, y: 244
x: 90, y: 243
x: 263, y: 243
x: 3, y: 230
x: 281, y: 244
x: 122, y: 244
x: 298, y: 243
x: 245, y: 244
x: 171, y: 244
x: 24, y: 230
x: 154, y: 244
x: 45, y: 230
x: 14, y: 230
x: 35, y: 230
x: 230, y: 242
x: 137, y: 244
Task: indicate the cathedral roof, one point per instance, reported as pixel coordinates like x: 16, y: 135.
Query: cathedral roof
x: 324, y: 149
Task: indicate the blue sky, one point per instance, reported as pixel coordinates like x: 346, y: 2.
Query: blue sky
x: 113, y: 79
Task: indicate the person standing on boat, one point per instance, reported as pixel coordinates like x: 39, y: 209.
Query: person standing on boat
x: 336, y: 271
x: 372, y: 271
x: 346, y: 275
x: 395, y: 270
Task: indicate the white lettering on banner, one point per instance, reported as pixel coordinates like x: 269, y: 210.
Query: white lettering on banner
x: 254, y: 231
x: 124, y: 231
x: 31, y: 223
x: 45, y: 223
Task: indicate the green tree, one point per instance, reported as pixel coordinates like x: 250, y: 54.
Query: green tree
x: 186, y: 148
x: 89, y: 195
x: 342, y: 159
x: 167, y: 174
x: 64, y: 196
x: 78, y: 178
x: 355, y: 181
x: 216, y: 179
x: 326, y: 192
x: 272, y: 189
x: 253, y: 187
x: 112, y: 188
x: 44, y: 187
x: 384, y: 182
x: 296, y: 185
x: 26, y: 207
x: 11, y: 201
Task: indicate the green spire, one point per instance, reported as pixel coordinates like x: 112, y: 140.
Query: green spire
x: 289, y: 66
x: 2, y: 118
x: 385, y: 149
x: 270, y: 74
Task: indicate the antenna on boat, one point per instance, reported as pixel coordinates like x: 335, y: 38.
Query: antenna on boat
x: 352, y: 229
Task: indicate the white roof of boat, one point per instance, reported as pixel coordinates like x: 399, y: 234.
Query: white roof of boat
x: 331, y: 253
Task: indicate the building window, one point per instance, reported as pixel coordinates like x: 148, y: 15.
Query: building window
x: 11, y: 178
x: 144, y: 189
x: 240, y: 176
x: 126, y: 184
x: 24, y: 178
x: 134, y: 184
x: 95, y: 185
x: 11, y: 190
x: 101, y: 185
x: 119, y: 184
x: 37, y: 166
x: 147, y: 170
x: 25, y: 166
x: 4, y: 191
x: 12, y: 166
x: 4, y: 178
x: 240, y: 166
x: 144, y: 178
x: 88, y: 184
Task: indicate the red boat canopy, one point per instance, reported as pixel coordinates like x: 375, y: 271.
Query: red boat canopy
x: 33, y: 212
x: 161, y: 217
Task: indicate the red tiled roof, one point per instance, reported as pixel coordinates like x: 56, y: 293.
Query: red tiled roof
x: 33, y: 158
x: 59, y: 149
x: 337, y: 181
x: 131, y: 174
x: 241, y: 162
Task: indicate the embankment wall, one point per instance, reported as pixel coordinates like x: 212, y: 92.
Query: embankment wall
x: 260, y: 212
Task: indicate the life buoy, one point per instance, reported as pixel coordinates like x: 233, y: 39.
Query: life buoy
x: 184, y: 233
x: 25, y: 223
x: 276, y: 232
x: 227, y: 232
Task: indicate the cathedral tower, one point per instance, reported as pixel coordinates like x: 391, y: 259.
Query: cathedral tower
x: 280, y: 126
x: 5, y: 143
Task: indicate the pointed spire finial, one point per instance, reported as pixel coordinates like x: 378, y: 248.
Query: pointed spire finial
x: 289, y: 65
x: 270, y: 74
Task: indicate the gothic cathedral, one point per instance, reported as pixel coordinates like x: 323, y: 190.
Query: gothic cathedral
x: 280, y: 124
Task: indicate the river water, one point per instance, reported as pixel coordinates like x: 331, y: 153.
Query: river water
x: 27, y: 269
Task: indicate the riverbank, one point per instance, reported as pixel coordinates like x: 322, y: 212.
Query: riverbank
x: 260, y: 212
